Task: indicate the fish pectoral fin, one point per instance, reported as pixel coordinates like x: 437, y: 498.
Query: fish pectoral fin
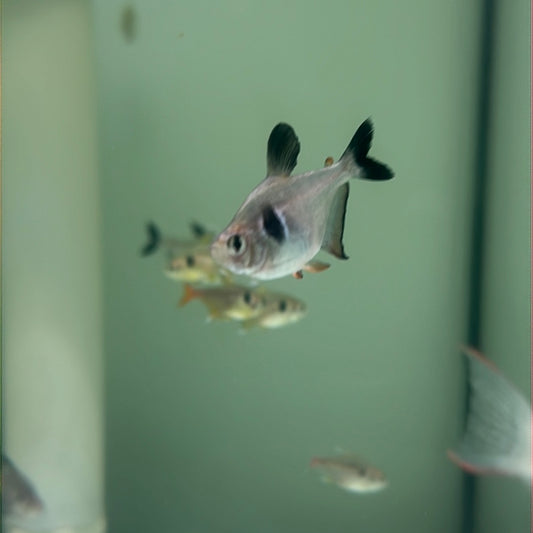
x: 214, y: 313
x: 332, y: 242
x: 282, y: 150
x: 188, y: 294
x: 315, y: 267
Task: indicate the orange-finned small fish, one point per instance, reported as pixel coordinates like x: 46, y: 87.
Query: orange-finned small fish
x: 497, y: 438
x: 231, y: 302
x: 351, y: 473
x: 286, y: 220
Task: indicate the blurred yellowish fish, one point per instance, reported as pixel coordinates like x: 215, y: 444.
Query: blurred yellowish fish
x: 497, y: 438
x: 286, y: 220
x: 173, y: 246
x: 278, y: 310
x: 349, y: 472
x: 187, y: 260
x: 196, y: 266
x: 19, y: 497
x: 231, y: 302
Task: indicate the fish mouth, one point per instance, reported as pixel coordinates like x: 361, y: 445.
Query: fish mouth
x: 220, y: 256
x: 216, y: 251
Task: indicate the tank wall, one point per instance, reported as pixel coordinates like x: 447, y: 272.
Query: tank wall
x: 506, y: 327
x: 224, y: 425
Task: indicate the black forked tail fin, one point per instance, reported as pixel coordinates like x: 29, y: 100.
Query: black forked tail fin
x: 356, y: 156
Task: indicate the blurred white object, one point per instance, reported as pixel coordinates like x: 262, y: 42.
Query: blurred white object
x: 497, y: 438
x: 53, y: 413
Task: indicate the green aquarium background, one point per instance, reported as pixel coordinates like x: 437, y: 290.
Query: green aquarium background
x: 115, y: 113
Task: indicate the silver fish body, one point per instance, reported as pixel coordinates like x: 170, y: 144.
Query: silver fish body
x: 286, y: 220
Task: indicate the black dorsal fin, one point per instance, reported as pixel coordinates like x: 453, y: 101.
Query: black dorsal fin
x: 282, y: 150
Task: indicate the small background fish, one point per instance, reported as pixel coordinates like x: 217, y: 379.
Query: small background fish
x: 172, y: 245
x: 187, y: 260
x: 190, y: 262
x: 350, y: 472
x: 232, y: 302
x: 278, y: 310
x: 195, y: 265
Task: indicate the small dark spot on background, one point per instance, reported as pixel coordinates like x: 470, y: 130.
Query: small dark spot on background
x: 128, y: 23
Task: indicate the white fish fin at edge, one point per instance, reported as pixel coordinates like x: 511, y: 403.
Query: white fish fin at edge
x: 497, y: 438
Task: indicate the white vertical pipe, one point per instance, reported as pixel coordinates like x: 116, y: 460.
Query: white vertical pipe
x: 52, y: 329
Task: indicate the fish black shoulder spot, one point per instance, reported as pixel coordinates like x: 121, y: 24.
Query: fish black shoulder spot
x: 274, y: 227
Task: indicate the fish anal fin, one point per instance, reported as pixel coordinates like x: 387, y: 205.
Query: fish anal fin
x: 332, y: 241
x: 215, y: 315
x: 315, y: 266
x: 282, y: 150
x: 188, y: 294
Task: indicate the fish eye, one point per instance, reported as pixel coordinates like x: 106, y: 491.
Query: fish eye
x: 189, y: 260
x: 236, y: 244
x: 282, y: 306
